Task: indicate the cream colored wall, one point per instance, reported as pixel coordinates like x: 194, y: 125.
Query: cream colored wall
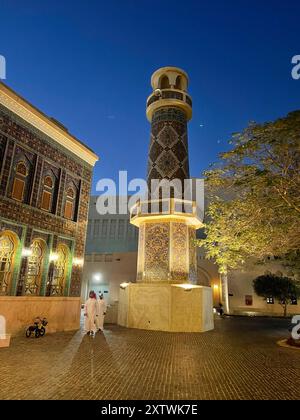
x: 123, y: 304
x: 208, y: 271
x: 62, y: 313
x: 149, y: 306
x: 113, y: 274
x: 207, y: 305
x: 165, y: 307
x: 240, y: 284
x: 192, y: 311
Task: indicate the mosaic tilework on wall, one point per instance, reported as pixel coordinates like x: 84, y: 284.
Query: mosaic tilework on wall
x: 18, y: 229
x: 168, y: 151
x: 156, y: 265
x: 179, y: 252
x: 19, y: 140
x: 140, y: 263
x: 192, y: 256
x: 15, y: 128
x: 166, y: 253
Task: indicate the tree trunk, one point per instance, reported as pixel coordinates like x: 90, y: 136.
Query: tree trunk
x: 225, y: 296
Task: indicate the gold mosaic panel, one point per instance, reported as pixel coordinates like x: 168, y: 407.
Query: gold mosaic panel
x: 179, y: 252
x: 167, y: 253
x: 192, y: 256
x: 156, y: 264
x: 141, y: 251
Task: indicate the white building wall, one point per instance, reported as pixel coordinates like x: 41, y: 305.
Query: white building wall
x: 240, y: 285
x: 108, y: 274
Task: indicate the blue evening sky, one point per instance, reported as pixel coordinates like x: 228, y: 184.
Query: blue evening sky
x: 88, y: 63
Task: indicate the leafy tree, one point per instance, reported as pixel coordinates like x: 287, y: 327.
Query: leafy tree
x: 254, y: 196
x: 282, y: 289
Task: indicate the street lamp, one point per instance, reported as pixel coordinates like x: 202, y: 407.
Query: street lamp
x: 78, y: 262
x: 53, y: 257
x: 26, y: 252
x: 97, y: 277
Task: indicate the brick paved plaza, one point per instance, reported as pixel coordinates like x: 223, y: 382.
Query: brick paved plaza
x: 239, y: 360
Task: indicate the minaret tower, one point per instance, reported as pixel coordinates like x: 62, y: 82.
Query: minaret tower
x: 166, y: 248
x: 167, y: 263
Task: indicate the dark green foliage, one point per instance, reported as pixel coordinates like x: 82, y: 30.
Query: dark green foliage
x: 283, y: 289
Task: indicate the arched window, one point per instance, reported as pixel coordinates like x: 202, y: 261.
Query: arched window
x: 8, y: 248
x: 164, y: 83
x: 70, y: 203
x: 178, y: 84
x: 35, y: 267
x: 60, y: 271
x: 47, y: 195
x: 48, y: 182
x: 21, y: 169
x: 21, y: 174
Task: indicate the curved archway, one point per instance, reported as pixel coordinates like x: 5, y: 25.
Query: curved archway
x: 19, y: 182
x: 47, y: 193
x: 178, y: 84
x: 70, y: 199
x: 204, y: 278
x: 210, y: 280
x: 8, y: 247
x: 164, y: 82
x: 35, y: 267
x: 60, y: 270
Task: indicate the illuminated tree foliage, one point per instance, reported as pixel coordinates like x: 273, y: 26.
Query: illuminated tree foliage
x: 254, y: 196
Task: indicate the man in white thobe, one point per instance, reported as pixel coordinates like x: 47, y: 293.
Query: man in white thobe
x: 101, y: 312
x: 90, y: 312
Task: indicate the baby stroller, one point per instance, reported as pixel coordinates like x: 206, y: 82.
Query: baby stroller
x: 38, y: 329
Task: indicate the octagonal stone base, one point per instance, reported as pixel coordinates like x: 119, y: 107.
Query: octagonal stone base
x: 166, y: 307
